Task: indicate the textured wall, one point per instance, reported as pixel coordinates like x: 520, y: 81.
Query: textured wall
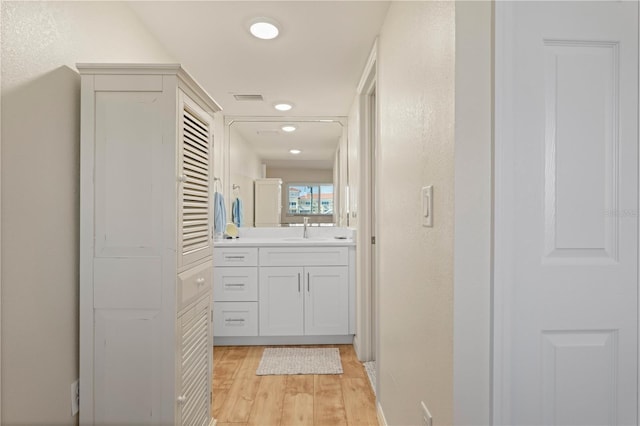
x: 473, y: 206
x: 41, y: 42
x: 416, y: 118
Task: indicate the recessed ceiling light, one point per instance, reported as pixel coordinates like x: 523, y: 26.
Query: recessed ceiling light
x: 264, y: 28
x: 283, y: 106
x: 295, y: 151
x: 288, y: 128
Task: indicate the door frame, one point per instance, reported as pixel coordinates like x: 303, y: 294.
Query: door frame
x: 368, y: 313
x: 503, y: 223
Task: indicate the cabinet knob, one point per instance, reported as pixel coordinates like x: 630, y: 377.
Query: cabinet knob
x: 182, y: 399
x: 182, y: 178
x: 200, y: 281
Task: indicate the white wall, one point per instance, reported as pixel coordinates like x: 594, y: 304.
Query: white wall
x: 244, y: 168
x: 416, y: 116
x: 473, y: 206
x: 41, y: 42
x: 293, y: 175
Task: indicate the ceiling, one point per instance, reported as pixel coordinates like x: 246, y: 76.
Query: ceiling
x: 315, y: 63
x: 316, y: 140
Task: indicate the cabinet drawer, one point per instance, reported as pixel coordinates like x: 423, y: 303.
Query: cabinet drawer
x: 235, y: 256
x: 235, y: 284
x: 304, y: 256
x: 194, y: 282
x: 235, y: 319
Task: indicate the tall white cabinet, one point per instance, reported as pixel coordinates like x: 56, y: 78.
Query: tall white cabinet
x: 145, y: 246
x: 268, y: 202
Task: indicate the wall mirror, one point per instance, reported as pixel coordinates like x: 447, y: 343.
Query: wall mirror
x: 302, y: 152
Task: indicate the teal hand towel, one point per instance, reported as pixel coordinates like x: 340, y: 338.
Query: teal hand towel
x: 219, y: 213
x: 236, y: 212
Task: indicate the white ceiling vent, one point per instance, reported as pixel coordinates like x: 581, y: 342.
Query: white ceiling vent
x: 254, y: 98
x: 268, y: 132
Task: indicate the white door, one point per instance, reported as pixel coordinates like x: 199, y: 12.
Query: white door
x: 281, y: 304
x: 566, y: 214
x: 326, y: 302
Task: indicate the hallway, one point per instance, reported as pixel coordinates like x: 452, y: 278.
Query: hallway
x: 242, y: 398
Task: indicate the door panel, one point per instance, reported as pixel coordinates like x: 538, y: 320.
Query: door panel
x: 281, y: 304
x: 326, y: 300
x: 567, y: 198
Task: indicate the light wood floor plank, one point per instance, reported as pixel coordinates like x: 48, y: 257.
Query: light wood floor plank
x: 297, y: 407
x: 359, y: 402
x: 219, y: 396
x: 351, y: 366
x: 328, y: 407
x: 267, y: 408
x: 250, y: 362
x: 224, y: 372
x: 239, y: 401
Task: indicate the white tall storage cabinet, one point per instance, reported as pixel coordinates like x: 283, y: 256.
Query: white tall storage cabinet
x: 268, y: 202
x: 145, y: 246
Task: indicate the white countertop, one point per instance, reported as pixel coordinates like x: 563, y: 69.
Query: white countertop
x: 285, y: 242
x: 290, y: 236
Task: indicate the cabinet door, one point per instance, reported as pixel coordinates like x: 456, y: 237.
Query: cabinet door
x: 281, y: 303
x: 195, y: 141
x: 326, y: 300
x: 194, y: 397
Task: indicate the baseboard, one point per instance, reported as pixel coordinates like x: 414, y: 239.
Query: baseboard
x: 381, y: 420
x: 283, y: 340
x: 356, y: 346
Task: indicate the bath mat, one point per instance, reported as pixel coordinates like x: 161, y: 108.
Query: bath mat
x: 281, y: 361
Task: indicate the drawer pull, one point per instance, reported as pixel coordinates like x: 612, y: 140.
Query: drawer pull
x: 298, y: 282
x: 308, y: 283
x: 234, y: 285
x: 234, y: 257
x: 182, y: 399
x: 200, y: 281
x: 234, y: 320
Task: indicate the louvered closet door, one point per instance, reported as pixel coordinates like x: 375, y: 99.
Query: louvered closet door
x: 195, y: 239
x: 194, y: 402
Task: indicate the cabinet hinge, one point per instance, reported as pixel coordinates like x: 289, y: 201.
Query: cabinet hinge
x: 373, y: 240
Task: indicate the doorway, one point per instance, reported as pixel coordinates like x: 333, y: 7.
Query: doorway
x: 367, y: 339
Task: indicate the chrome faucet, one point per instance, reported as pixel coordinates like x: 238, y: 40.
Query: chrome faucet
x: 305, y: 234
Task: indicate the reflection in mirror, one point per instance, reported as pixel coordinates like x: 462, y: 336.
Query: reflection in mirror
x: 304, y: 159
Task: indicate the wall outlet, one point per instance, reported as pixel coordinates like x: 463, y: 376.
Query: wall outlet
x: 75, y: 398
x: 427, y: 420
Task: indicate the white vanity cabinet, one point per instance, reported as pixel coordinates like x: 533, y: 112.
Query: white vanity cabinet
x: 304, y: 293
x: 145, y: 246
x: 306, y: 301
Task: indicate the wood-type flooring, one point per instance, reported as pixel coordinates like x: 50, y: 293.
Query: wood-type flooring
x: 241, y: 398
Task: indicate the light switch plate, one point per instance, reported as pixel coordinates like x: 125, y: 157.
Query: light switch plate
x: 427, y: 206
